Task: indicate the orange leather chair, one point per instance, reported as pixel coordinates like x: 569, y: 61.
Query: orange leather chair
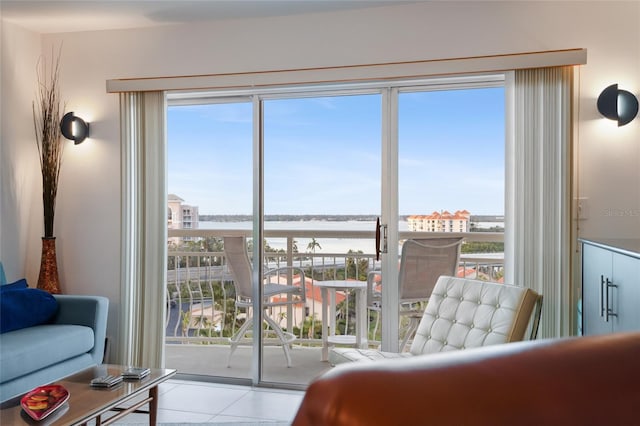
x: 578, y: 381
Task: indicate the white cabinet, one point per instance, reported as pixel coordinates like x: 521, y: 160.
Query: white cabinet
x: 610, y: 288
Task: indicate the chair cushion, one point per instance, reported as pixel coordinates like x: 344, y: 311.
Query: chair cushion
x: 25, y: 307
x: 31, y: 349
x: 463, y: 314
x: 341, y: 355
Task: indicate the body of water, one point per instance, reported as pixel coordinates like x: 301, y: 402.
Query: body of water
x: 327, y: 245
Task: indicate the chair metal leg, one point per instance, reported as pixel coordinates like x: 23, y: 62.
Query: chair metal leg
x: 281, y: 335
x: 235, y: 339
x: 411, y: 328
x: 375, y: 327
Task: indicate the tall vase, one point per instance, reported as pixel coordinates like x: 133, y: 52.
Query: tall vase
x: 48, y: 279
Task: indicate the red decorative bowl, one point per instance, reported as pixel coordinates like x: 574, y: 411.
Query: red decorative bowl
x: 44, y: 400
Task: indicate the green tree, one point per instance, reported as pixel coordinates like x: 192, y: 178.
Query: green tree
x: 482, y: 247
x: 357, y: 267
x: 313, y: 244
x: 185, y: 321
x: 311, y: 328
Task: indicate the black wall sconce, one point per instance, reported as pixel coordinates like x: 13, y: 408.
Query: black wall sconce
x: 74, y: 128
x: 617, y: 104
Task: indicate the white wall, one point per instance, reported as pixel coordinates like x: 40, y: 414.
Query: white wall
x: 88, y: 212
x: 20, y: 178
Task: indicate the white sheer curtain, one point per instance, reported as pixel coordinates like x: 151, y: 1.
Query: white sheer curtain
x: 539, y: 207
x: 144, y: 227
x: 537, y: 241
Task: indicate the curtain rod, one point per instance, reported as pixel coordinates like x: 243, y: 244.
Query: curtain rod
x: 353, y: 73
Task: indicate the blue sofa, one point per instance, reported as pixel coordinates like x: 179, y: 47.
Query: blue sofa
x: 41, y: 354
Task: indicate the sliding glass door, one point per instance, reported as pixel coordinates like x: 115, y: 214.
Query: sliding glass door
x: 210, y: 193
x: 451, y: 146
x: 303, y: 174
x: 322, y: 180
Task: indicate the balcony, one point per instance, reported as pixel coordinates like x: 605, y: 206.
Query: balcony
x: 200, y: 294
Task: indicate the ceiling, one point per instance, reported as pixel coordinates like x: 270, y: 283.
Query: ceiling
x: 53, y: 16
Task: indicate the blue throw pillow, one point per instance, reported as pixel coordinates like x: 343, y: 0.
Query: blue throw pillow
x: 14, y: 286
x: 25, y: 307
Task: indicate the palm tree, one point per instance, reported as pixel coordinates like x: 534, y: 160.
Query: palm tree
x: 313, y: 244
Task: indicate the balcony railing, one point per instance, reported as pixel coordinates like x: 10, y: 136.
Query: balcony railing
x: 201, y: 294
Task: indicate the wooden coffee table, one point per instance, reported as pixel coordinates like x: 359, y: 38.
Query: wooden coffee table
x: 86, y: 403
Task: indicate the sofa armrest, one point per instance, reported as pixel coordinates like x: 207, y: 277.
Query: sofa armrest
x: 90, y: 311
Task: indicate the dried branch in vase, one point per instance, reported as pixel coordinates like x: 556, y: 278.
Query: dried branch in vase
x: 47, y: 114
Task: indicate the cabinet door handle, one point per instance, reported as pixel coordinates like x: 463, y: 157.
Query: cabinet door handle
x: 602, y: 295
x: 609, y: 311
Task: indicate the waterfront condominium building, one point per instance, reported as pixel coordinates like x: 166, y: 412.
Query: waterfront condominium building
x: 440, y: 222
x: 181, y: 216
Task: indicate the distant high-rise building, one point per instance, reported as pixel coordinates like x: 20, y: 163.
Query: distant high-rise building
x: 440, y: 222
x: 181, y: 216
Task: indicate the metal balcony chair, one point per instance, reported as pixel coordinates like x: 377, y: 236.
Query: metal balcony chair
x: 422, y: 262
x: 464, y: 314
x: 274, y: 294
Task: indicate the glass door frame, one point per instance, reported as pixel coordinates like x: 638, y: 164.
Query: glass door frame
x: 258, y: 235
x: 258, y: 206
x: 389, y: 177
x: 390, y: 214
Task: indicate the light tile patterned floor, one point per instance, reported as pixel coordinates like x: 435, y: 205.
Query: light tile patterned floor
x: 188, y: 402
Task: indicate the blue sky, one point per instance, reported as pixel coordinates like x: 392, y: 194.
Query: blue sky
x: 323, y: 155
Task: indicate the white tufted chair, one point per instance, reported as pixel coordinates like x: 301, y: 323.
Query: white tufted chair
x: 463, y: 314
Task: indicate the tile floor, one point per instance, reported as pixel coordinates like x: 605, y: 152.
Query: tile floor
x: 188, y: 402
